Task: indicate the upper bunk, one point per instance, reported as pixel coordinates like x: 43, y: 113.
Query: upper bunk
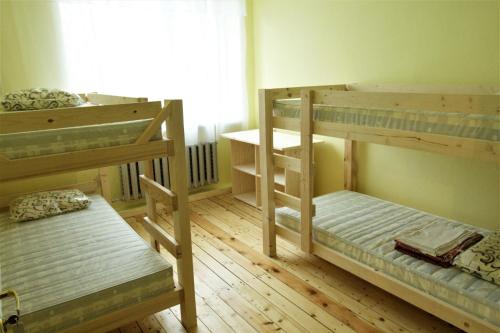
x: 458, y: 121
x: 106, y: 130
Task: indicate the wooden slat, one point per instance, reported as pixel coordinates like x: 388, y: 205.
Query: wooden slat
x: 162, y: 237
x: 349, y: 165
x: 463, y: 147
x: 267, y: 172
x: 153, y: 127
x: 294, y: 92
x: 182, y: 224
x: 82, y: 160
x: 288, y: 234
x: 476, y: 104
x: 151, y: 212
x: 126, y: 213
x: 285, y: 123
x: 25, y: 121
x: 115, y: 319
x: 287, y: 200
x: 104, y: 184
x: 270, y: 305
x: 306, y: 174
x: 96, y: 98
x: 158, y: 192
x: 426, y: 89
x: 293, y: 284
x: 287, y: 162
x: 291, y: 201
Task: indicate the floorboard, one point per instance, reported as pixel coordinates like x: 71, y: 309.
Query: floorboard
x: 238, y: 289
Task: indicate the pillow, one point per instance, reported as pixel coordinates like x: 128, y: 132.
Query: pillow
x: 44, y: 204
x: 41, y: 98
x: 483, y: 259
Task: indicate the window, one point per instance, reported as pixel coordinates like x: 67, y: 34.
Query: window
x: 193, y: 50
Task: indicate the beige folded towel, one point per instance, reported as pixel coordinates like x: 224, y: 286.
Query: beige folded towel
x: 436, y: 239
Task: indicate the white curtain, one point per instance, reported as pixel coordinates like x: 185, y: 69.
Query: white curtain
x: 193, y: 50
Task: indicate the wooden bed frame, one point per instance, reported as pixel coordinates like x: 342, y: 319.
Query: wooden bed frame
x: 482, y: 101
x: 119, y: 109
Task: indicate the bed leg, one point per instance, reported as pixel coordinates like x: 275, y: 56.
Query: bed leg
x: 306, y: 188
x: 105, y: 186
x: 182, y: 223
x: 349, y: 165
x: 267, y: 172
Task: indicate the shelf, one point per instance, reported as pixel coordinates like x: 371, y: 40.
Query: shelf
x: 248, y: 197
x: 247, y: 168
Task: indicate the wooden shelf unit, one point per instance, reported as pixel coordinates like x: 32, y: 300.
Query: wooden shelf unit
x: 245, y: 165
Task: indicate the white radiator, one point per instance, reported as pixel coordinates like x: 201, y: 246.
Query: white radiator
x: 202, y: 164
x: 201, y: 170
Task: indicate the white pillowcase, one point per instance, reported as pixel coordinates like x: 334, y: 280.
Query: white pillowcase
x: 38, y: 99
x: 483, y: 259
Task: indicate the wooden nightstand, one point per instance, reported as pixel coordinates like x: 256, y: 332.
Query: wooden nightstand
x: 245, y: 164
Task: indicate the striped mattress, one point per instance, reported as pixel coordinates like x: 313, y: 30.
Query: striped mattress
x: 38, y: 143
x: 71, y: 268
x: 472, y: 126
x: 364, y: 228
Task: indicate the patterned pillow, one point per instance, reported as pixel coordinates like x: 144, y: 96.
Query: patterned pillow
x: 44, y: 204
x: 483, y: 259
x: 37, y: 99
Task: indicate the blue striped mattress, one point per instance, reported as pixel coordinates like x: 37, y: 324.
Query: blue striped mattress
x: 364, y: 228
x: 457, y: 124
x: 71, y: 268
x: 64, y: 140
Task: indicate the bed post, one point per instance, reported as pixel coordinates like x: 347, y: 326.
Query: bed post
x: 306, y: 193
x: 150, y: 201
x: 349, y: 165
x: 104, y: 185
x: 182, y: 224
x: 267, y: 171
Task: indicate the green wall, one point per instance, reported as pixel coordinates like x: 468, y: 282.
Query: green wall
x: 312, y: 42
x: 29, y: 57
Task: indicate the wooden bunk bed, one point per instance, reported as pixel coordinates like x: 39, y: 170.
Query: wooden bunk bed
x: 144, y: 144
x: 372, y: 114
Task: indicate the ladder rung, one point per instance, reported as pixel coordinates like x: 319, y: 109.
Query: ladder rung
x: 291, y: 124
x: 288, y: 200
x: 291, y: 201
x: 287, y: 162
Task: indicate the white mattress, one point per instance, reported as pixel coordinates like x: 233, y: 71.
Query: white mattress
x: 364, y: 228
x: 72, y: 268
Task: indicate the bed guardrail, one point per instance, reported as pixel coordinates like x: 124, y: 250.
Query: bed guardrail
x: 41, y: 120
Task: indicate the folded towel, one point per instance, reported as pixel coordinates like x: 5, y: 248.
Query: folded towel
x: 444, y: 260
x: 437, y: 239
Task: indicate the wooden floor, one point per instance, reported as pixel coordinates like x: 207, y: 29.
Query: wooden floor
x: 240, y: 290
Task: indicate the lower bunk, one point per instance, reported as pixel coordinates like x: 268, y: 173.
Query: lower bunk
x: 85, y: 271
x: 356, y: 232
